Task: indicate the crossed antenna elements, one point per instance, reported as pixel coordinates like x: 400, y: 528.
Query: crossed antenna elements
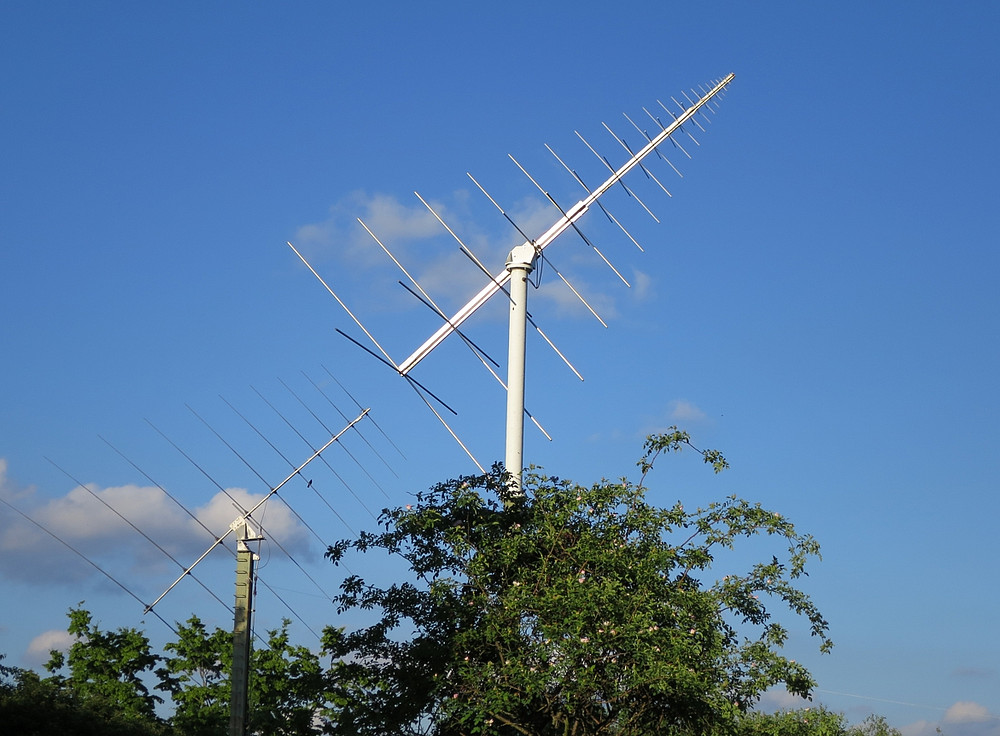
x: 513, y: 279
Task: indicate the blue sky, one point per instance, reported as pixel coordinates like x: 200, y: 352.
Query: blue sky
x: 818, y: 300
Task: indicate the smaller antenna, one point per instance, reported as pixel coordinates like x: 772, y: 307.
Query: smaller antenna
x: 256, y: 506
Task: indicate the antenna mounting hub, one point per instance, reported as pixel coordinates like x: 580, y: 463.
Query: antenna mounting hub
x: 522, y: 257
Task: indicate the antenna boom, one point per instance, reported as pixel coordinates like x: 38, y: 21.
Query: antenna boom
x: 558, y: 228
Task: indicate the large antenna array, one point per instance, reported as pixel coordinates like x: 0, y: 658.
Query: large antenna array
x: 521, y: 261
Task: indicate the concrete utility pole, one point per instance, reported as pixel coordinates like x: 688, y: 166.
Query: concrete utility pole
x: 240, y: 676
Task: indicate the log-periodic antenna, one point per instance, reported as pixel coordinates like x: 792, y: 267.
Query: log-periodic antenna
x: 521, y: 261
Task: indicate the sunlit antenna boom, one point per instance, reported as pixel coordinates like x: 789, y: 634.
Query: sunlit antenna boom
x: 558, y: 228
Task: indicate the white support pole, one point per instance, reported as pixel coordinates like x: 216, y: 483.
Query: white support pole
x: 519, y: 265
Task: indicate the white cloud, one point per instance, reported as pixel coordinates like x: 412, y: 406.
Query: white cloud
x: 642, y: 285
x: 82, y: 520
x: 568, y: 304
x: 963, y: 718
x: 432, y: 257
x: 42, y: 645
x: 966, y: 712
x: 682, y: 411
x: 779, y: 698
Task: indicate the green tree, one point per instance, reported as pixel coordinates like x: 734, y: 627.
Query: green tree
x: 286, y: 689
x: 107, y: 666
x: 569, y: 610
x: 105, y: 690
x: 811, y: 722
x: 196, y: 675
x: 800, y: 722
x: 875, y: 725
x: 31, y: 706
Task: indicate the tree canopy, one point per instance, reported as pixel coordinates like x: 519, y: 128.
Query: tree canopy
x: 567, y: 610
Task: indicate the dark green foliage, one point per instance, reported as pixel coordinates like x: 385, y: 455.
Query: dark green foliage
x: 570, y: 610
x: 107, y: 666
x: 286, y: 683
x: 197, y: 678
x: 802, y: 722
x: 31, y: 706
x: 286, y: 687
x: 105, y: 690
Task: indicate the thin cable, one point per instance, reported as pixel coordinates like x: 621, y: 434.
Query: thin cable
x: 893, y: 702
x: 285, y: 603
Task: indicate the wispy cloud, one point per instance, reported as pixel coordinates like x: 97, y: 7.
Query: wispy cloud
x: 678, y: 412
x: 966, y: 712
x: 975, y: 673
x: 432, y: 256
x: 682, y: 411
x: 964, y: 718
x: 779, y: 698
